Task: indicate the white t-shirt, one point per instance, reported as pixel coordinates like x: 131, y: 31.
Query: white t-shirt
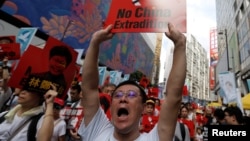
x: 101, y: 129
x: 59, y: 129
x: 8, y: 128
x: 199, y: 137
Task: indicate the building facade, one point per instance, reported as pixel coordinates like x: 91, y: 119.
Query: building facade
x: 197, y: 76
x: 153, y: 40
x: 197, y: 69
x: 233, y: 24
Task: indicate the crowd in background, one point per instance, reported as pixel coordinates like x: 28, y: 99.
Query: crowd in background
x: 68, y: 113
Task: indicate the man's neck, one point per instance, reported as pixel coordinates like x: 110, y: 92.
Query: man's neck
x: 131, y: 136
x: 24, y: 109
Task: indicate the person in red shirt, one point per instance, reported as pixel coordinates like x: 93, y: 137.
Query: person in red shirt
x: 105, y: 100
x: 200, y: 118
x: 148, y: 120
x: 183, y: 118
x: 157, y: 106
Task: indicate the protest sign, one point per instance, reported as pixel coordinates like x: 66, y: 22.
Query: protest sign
x: 146, y: 15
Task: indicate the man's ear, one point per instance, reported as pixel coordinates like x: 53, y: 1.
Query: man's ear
x: 234, y: 117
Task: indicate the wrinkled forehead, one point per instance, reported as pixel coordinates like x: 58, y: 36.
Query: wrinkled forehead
x: 127, y: 87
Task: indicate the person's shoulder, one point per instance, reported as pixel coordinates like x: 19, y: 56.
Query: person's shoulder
x: 177, y: 133
x: 178, y: 125
x: 151, y: 136
x: 36, y: 120
x: 2, y: 114
x: 62, y: 123
x: 9, y: 91
x: 75, y: 104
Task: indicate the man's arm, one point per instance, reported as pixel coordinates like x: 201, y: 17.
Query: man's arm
x: 172, y: 102
x: 90, y: 74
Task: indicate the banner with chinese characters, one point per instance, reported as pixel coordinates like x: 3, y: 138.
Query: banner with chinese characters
x: 146, y: 15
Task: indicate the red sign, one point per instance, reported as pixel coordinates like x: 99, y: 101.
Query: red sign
x: 146, y: 15
x: 212, y: 77
x: 12, y: 51
x: 185, y: 90
x: 144, y: 82
x: 153, y: 92
x: 9, y: 48
x: 37, y: 68
x: 7, y: 39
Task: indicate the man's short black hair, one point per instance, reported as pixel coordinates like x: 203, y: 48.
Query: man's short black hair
x: 219, y: 113
x: 76, y: 87
x: 130, y: 82
x: 235, y: 111
x: 61, y: 51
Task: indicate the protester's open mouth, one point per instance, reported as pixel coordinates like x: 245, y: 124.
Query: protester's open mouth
x: 122, y: 112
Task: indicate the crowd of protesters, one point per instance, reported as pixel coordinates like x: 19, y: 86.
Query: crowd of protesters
x: 77, y: 115
x: 195, y: 117
x: 27, y: 114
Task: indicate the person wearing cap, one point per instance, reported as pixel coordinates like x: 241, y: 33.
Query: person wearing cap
x: 17, y: 120
x: 128, y: 99
x: 199, y: 118
x: 148, y: 120
x: 59, y: 124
